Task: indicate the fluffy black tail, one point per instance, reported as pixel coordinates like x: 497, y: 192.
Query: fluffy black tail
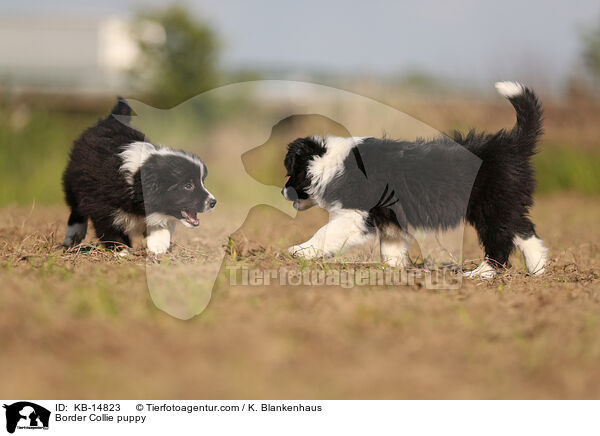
x: 123, y: 112
x: 121, y: 108
x: 528, y: 128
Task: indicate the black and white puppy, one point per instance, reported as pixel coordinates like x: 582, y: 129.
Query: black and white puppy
x: 128, y: 186
x: 384, y: 187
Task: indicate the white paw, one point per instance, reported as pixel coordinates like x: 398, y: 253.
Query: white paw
x: 124, y: 252
x: 305, y: 251
x: 538, y: 266
x: 539, y: 271
x: 75, y: 234
x: 397, y: 261
x: 485, y: 275
x: 159, y: 241
x: 483, y: 271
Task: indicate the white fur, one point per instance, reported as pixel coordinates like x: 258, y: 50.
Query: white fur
x: 124, y: 252
x: 534, y: 253
x: 394, y: 252
x: 75, y: 234
x: 483, y: 271
x: 345, y: 229
x: 158, y: 220
x: 129, y: 223
x: 138, y: 152
x: 322, y: 169
x: 158, y: 240
x: 509, y: 89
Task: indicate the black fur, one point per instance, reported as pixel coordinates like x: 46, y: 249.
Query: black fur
x: 95, y: 187
x: 486, y: 178
x: 300, y: 153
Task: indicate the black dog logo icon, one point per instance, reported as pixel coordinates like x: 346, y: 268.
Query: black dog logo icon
x: 24, y: 414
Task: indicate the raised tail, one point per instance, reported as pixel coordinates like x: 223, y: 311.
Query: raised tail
x: 121, y: 112
x: 121, y: 108
x: 528, y: 128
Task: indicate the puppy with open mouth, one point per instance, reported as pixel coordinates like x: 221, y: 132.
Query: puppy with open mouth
x: 128, y: 186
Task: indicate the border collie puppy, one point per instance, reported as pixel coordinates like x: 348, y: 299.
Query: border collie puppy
x: 384, y: 187
x: 128, y: 186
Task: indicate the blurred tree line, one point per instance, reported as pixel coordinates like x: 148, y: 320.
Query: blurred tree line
x: 591, y: 53
x: 179, y: 55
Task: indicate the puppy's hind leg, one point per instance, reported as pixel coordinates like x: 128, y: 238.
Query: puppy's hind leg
x: 498, y: 245
x: 532, y: 248
x: 76, y: 229
x: 110, y: 236
x: 77, y: 224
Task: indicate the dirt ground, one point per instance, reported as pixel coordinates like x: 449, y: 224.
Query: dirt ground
x: 82, y: 325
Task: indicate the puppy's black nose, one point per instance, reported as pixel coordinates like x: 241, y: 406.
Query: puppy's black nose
x: 289, y: 193
x: 212, y: 202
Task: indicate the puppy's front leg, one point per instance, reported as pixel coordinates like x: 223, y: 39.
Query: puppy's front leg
x: 159, y: 239
x: 346, y: 229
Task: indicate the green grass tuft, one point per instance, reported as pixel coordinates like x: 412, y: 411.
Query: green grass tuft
x: 568, y: 169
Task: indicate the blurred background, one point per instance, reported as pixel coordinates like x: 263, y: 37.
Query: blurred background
x: 63, y: 63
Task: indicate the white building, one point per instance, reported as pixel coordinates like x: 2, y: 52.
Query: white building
x: 69, y: 53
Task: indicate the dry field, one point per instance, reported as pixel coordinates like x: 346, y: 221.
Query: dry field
x: 82, y: 324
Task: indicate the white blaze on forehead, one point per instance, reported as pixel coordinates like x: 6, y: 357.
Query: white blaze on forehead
x: 323, y: 169
x: 202, y: 175
x: 138, y: 152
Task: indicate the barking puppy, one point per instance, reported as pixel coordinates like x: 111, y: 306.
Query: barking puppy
x: 128, y: 186
x: 376, y: 186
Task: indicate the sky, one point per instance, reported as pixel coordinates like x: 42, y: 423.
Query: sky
x: 464, y: 40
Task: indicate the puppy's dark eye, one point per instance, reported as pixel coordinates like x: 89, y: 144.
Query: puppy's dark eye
x: 188, y: 186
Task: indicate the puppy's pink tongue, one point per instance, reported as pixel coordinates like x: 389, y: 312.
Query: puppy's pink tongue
x: 190, y: 217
